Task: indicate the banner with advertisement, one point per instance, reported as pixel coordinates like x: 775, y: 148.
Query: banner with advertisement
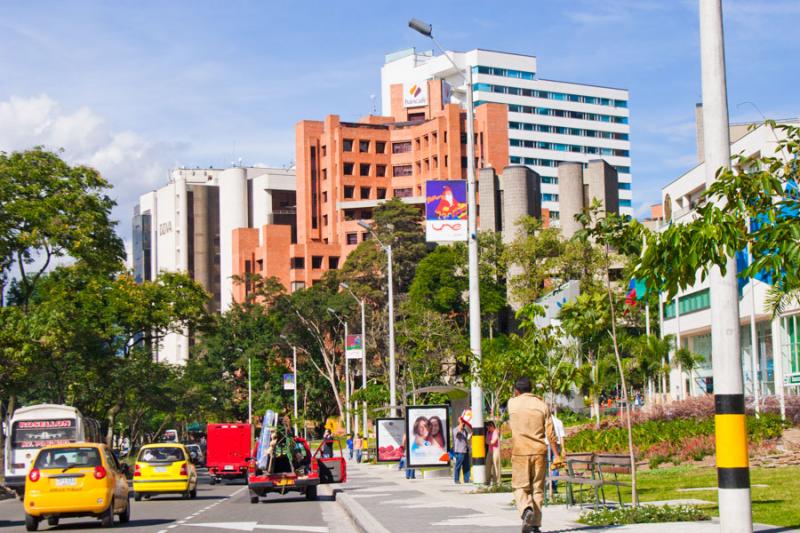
x: 445, y: 210
x: 354, y: 348
x: 428, y: 436
x: 288, y: 382
x: 447, y: 92
x: 389, y: 437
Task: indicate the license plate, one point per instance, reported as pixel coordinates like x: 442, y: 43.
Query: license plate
x: 228, y: 467
x: 282, y: 482
x: 160, y: 469
x: 66, y: 482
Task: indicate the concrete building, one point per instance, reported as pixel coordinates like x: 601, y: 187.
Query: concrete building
x: 188, y: 225
x: 579, y: 185
x: 777, y: 342
x: 549, y: 122
x: 346, y: 169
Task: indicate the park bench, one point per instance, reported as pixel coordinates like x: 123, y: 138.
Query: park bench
x: 596, y: 471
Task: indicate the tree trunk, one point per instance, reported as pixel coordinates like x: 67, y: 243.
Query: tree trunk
x: 111, y: 416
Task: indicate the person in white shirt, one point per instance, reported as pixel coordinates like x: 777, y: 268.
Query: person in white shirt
x: 558, y: 429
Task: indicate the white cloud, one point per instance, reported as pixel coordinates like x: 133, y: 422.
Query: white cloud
x: 132, y: 163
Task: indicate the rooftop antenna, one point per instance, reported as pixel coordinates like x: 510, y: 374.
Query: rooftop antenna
x: 374, y: 110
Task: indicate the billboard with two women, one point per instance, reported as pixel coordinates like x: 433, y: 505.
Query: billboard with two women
x: 427, y: 436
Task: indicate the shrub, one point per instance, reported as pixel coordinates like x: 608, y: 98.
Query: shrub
x: 644, y: 514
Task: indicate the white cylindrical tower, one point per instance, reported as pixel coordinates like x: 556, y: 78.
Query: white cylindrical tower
x: 232, y: 215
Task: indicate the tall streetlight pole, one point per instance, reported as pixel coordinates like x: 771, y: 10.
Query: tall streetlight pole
x: 392, y: 370
x: 361, y: 302
x: 478, y: 431
x: 733, y: 468
x: 294, y: 367
x: 346, y: 374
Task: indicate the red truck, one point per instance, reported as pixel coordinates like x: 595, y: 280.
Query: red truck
x: 228, y: 450
x: 302, y: 472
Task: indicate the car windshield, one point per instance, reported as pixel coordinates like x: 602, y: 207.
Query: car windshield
x: 161, y: 454
x: 68, y: 458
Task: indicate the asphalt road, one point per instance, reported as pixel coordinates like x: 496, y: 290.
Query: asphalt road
x: 216, y: 508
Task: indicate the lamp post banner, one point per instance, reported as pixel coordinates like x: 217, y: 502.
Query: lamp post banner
x: 288, y: 382
x: 445, y: 210
x: 355, y: 347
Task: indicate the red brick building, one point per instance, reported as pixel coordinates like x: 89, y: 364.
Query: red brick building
x: 345, y: 169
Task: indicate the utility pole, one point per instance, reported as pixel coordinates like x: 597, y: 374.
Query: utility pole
x: 294, y: 365
x: 733, y: 471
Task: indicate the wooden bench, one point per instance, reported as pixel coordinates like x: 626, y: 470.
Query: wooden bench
x: 581, y: 470
x: 611, y: 464
x: 594, y: 470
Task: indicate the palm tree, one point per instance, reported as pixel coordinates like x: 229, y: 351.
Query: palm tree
x: 651, y: 354
x: 686, y: 361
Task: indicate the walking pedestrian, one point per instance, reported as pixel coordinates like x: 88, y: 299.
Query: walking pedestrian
x: 558, y: 429
x: 461, y: 437
x: 410, y: 472
x: 358, y: 444
x: 327, y: 444
x: 531, y: 427
x: 493, y: 453
x: 350, y: 445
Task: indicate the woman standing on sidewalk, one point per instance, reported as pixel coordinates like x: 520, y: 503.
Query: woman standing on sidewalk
x: 358, y: 446
x: 493, y: 453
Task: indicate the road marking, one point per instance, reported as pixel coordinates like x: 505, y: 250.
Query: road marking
x: 173, y: 526
x: 251, y: 526
x: 163, y: 531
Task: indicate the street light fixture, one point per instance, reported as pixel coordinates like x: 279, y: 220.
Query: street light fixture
x: 392, y: 370
x: 346, y: 373
x: 361, y: 302
x: 478, y: 431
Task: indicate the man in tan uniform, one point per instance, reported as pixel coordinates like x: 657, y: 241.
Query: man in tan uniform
x: 530, y: 425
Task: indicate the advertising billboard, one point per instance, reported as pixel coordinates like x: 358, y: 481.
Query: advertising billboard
x: 445, y: 210
x: 427, y: 435
x: 288, y: 382
x: 390, y: 439
x: 415, y: 94
x: 354, y: 348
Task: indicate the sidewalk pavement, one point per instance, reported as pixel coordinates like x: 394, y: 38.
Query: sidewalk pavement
x: 379, y: 499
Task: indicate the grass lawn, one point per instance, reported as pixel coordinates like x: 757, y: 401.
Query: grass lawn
x: 777, y: 504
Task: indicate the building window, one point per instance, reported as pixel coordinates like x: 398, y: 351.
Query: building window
x: 427, y: 163
x: 348, y: 145
x: 324, y: 220
x: 555, y: 215
x: 324, y: 196
x: 381, y: 193
x: 333, y: 262
x: 435, y: 137
x: 380, y: 147
x: 363, y: 147
x: 624, y: 185
x: 364, y: 236
x: 316, y: 262
x: 349, y: 191
x: 436, y: 161
x: 348, y: 169
x: 401, y: 147
x: 624, y: 203
x: 298, y: 263
x: 380, y: 171
x: 416, y: 117
x: 690, y: 303
x: 365, y: 192
x: 548, y: 197
x: 404, y: 193
x: 324, y: 173
x: 363, y: 169
x: 351, y: 238
x: 324, y: 150
x: 445, y: 137
x: 298, y: 285
x: 402, y: 170
x: 445, y: 161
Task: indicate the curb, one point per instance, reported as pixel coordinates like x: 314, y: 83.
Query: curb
x: 361, y: 518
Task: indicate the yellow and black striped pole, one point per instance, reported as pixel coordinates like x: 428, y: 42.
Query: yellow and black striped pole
x: 733, y: 474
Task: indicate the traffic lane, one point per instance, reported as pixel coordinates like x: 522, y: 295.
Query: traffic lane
x: 290, y: 512
x: 157, y: 513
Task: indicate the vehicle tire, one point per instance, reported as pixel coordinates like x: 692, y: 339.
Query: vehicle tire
x: 31, y: 522
x: 52, y: 521
x: 311, y: 493
x: 146, y: 496
x: 125, y: 516
x: 213, y: 481
x: 107, y: 518
x: 187, y: 495
x: 254, y: 498
x: 137, y: 496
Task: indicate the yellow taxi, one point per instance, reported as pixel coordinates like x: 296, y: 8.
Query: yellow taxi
x: 164, y: 468
x: 77, y: 479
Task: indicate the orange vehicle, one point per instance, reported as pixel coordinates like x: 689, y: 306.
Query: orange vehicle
x: 77, y: 479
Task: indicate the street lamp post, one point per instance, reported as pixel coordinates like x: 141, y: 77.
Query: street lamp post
x: 392, y: 370
x: 478, y: 431
x: 346, y: 374
x: 294, y: 367
x: 361, y: 302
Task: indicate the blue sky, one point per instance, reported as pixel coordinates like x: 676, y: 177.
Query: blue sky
x: 136, y: 88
